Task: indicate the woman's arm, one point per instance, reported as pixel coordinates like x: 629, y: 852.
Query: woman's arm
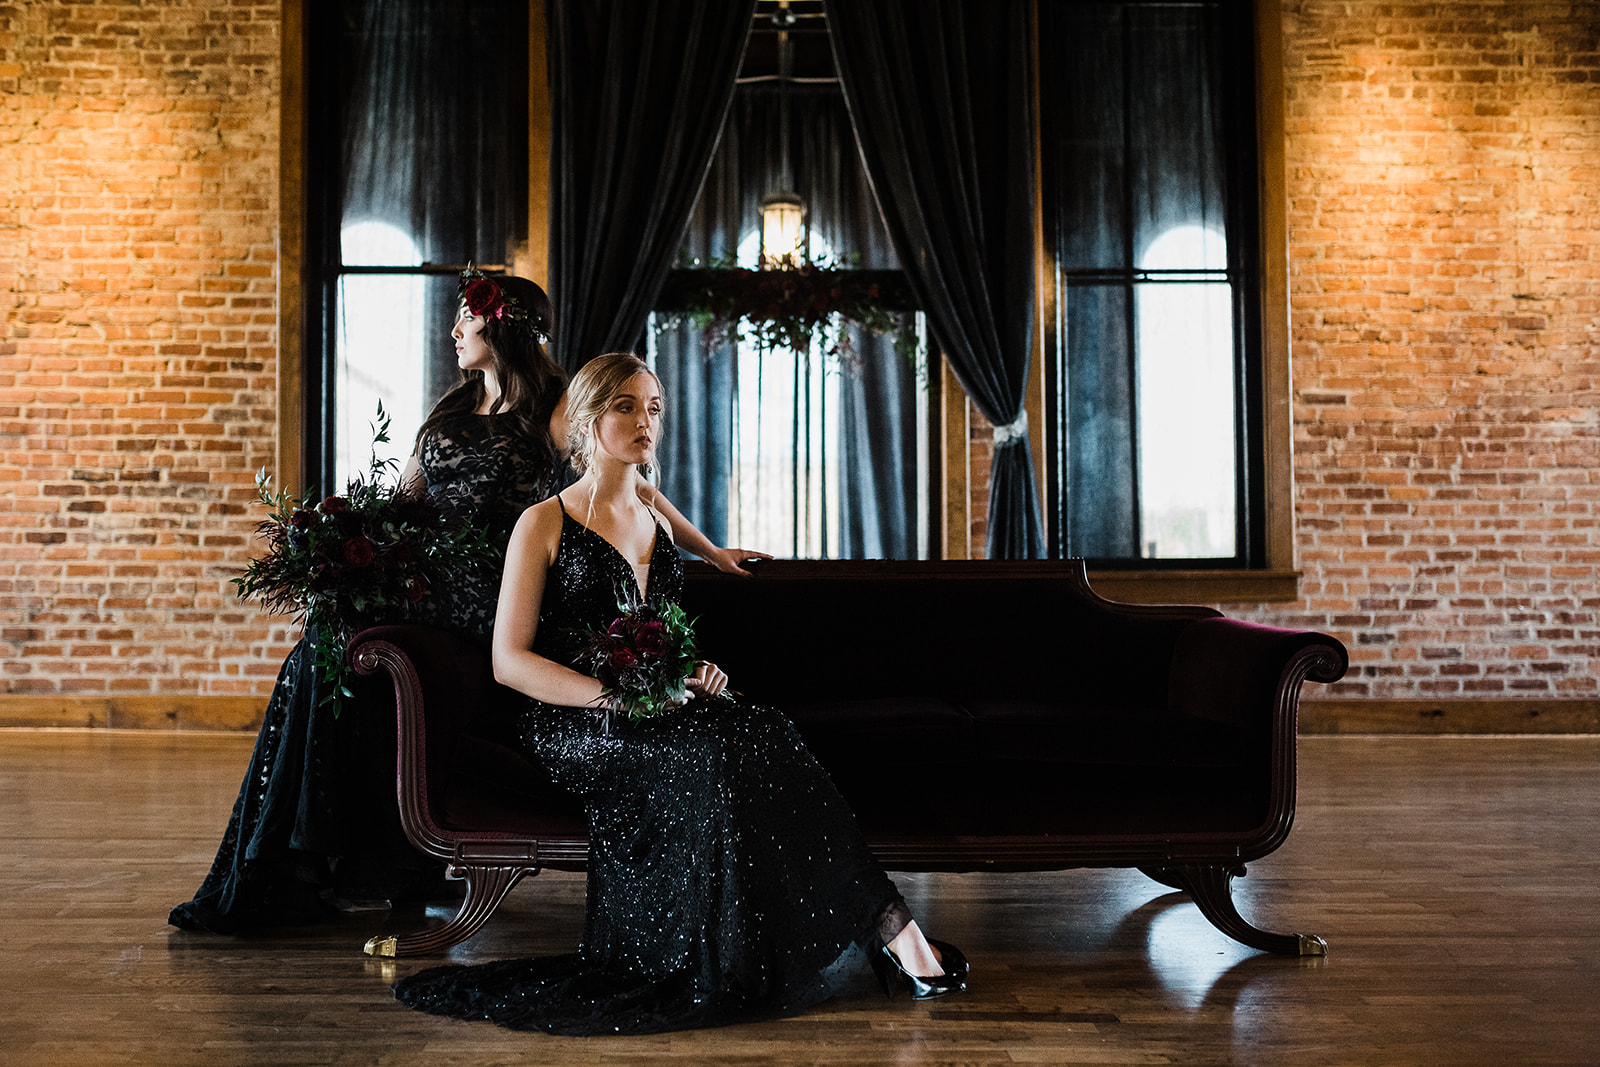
x: 528, y: 557
x: 685, y: 534
x: 411, y: 477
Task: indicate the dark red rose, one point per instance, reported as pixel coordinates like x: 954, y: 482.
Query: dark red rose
x: 623, y: 657
x: 416, y: 590
x: 303, y: 519
x: 334, y: 505
x: 483, y: 297
x: 872, y: 291
x: 651, y: 639
x: 618, y: 627
x: 358, y: 552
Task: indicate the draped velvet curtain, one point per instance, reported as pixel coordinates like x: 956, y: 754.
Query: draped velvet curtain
x: 876, y: 456
x: 941, y: 97
x: 639, y: 91
x: 436, y: 124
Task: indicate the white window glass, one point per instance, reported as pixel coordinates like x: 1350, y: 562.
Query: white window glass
x: 786, y: 441
x: 1187, y: 449
x: 378, y: 350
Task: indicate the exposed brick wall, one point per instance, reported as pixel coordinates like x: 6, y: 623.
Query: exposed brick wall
x: 1444, y: 229
x: 980, y: 463
x: 138, y: 216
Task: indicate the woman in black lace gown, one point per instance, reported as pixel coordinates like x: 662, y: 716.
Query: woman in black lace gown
x: 316, y: 821
x: 727, y: 877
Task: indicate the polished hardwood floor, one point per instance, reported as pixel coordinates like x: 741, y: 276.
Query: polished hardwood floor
x: 1456, y: 880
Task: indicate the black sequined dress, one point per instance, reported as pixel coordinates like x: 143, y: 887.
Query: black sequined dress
x: 727, y: 877
x: 316, y: 814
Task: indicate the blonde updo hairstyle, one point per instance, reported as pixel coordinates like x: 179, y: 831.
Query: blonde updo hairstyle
x: 590, y: 393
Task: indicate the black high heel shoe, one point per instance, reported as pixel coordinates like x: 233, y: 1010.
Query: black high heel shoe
x: 950, y: 958
x: 892, y: 976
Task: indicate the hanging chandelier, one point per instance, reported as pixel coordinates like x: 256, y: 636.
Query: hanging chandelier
x: 783, y: 213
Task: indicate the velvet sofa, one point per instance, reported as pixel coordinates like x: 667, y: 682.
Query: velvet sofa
x: 1062, y: 730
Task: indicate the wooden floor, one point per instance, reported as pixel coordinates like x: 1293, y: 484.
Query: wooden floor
x: 1456, y: 880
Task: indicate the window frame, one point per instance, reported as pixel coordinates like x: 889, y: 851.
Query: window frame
x: 1272, y: 575
x: 303, y: 458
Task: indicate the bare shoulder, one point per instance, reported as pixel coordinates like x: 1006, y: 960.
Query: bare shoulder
x: 664, y: 526
x: 652, y: 499
x: 539, y: 527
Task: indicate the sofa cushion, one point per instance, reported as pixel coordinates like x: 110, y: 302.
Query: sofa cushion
x: 1035, y: 731
x: 1034, y: 798
x: 495, y: 787
x: 908, y: 728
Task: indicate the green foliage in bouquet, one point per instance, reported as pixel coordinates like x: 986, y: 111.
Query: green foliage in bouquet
x: 347, y: 562
x: 643, y: 658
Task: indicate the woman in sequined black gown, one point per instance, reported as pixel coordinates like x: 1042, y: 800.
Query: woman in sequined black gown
x: 727, y: 877
x: 315, y: 821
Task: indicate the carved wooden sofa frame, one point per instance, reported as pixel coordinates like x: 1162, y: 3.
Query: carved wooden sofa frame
x: 1156, y: 738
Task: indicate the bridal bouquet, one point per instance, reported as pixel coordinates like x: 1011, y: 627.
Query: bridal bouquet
x: 346, y: 562
x: 643, y: 658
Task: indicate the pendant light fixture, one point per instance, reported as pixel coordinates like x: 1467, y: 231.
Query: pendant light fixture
x: 783, y: 213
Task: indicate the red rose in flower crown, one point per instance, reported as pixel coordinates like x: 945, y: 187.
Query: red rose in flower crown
x: 484, y: 298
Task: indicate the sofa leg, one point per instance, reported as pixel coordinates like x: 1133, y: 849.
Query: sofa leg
x: 486, y: 888
x: 1208, y: 886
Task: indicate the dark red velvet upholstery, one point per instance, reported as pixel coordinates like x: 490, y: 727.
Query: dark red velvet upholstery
x: 1063, y: 730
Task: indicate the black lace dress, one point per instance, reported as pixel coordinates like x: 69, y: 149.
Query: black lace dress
x: 316, y: 815
x: 727, y: 878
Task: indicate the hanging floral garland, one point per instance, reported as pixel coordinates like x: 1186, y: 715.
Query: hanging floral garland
x: 796, y: 301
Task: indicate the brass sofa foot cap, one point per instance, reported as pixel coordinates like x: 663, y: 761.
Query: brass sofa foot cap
x: 1311, y: 945
x: 381, y: 946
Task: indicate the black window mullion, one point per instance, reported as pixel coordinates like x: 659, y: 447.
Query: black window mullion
x: 1131, y: 295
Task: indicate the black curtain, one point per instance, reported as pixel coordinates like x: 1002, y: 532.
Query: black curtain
x: 940, y: 93
x: 639, y: 90
x: 877, y: 505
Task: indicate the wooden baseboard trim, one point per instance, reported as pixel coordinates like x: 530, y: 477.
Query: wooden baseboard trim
x: 1475, y: 716
x: 144, y: 711
x: 243, y: 714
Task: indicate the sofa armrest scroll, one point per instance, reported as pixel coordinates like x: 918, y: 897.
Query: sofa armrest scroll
x: 438, y: 679
x: 1245, y: 674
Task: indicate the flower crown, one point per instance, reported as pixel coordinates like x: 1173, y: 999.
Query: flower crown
x: 484, y: 297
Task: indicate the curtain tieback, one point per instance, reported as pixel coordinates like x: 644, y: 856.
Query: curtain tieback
x: 1015, y: 430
